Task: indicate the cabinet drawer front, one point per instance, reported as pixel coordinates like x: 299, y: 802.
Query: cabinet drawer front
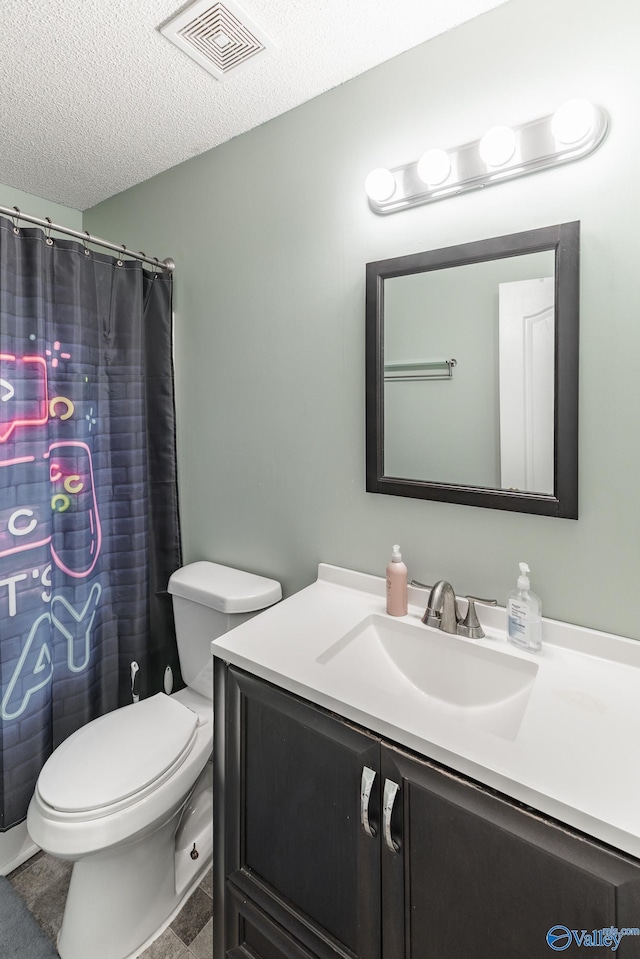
x: 259, y: 937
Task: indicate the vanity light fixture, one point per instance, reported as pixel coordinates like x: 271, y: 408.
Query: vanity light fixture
x: 574, y: 131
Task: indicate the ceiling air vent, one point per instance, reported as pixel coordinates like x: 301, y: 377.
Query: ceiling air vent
x: 221, y: 37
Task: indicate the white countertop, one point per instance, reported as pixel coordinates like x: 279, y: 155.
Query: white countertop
x: 574, y: 754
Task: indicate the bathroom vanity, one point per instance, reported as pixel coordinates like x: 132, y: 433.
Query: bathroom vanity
x: 384, y: 791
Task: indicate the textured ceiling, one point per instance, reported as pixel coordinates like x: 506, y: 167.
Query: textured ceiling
x: 94, y: 99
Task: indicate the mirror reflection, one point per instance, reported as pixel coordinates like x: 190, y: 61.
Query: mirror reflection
x: 468, y: 366
x: 472, y: 373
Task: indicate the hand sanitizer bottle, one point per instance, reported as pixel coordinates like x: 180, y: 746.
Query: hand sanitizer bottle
x: 524, y: 612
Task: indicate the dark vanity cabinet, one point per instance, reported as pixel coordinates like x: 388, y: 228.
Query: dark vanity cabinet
x: 330, y: 842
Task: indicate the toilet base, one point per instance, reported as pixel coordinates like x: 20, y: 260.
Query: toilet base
x: 121, y: 899
x: 139, y: 950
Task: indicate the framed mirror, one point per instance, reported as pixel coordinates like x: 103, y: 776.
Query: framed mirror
x: 472, y: 373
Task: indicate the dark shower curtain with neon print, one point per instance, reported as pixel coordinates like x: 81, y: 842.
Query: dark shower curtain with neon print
x: 89, y: 529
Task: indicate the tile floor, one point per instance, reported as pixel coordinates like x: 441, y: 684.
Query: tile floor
x: 43, y: 882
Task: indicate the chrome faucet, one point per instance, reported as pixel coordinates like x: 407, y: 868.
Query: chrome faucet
x: 442, y: 611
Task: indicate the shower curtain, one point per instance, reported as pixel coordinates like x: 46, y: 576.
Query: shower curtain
x: 89, y: 527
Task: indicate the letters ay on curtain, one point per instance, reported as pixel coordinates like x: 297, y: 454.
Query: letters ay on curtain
x: 89, y: 531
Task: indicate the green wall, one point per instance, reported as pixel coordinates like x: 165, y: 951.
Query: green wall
x: 271, y: 233
x: 37, y: 206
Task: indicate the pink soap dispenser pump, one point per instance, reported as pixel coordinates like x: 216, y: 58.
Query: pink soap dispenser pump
x: 396, y: 585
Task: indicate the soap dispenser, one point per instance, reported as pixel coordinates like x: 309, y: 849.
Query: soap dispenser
x: 524, y: 613
x: 396, y: 585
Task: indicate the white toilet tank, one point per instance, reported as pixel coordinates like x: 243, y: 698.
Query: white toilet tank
x: 209, y: 600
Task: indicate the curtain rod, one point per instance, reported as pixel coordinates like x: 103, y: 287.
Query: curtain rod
x: 167, y: 264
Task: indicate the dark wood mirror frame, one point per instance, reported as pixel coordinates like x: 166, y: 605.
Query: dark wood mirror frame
x: 564, y: 240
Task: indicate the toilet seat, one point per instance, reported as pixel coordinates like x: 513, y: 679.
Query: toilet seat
x: 119, y: 758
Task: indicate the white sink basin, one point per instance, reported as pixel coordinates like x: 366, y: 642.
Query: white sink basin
x: 466, y: 681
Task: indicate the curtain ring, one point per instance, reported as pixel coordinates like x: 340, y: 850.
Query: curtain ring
x: 142, y: 253
x: 47, y: 232
x: 87, y: 251
x: 156, y: 268
x: 16, y: 228
x: 124, y: 250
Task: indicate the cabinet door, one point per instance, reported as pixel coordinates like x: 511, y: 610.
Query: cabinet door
x: 476, y: 876
x: 295, y: 843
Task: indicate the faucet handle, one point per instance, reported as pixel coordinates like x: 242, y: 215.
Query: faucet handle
x: 470, y: 626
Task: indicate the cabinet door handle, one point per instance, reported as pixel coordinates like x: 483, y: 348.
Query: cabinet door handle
x: 366, y: 785
x: 388, y: 799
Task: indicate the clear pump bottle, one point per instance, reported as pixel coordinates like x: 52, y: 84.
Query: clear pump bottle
x: 524, y: 613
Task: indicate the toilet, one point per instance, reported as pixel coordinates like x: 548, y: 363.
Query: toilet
x: 128, y: 797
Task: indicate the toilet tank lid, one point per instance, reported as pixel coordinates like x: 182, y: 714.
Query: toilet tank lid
x: 223, y: 588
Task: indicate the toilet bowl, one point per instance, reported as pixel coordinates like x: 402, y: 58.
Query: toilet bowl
x: 128, y: 797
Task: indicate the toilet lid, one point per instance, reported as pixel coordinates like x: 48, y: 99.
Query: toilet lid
x: 117, y: 755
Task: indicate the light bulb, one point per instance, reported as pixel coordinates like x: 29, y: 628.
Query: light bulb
x: 573, y: 121
x: 380, y: 185
x: 434, y: 167
x: 498, y: 146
